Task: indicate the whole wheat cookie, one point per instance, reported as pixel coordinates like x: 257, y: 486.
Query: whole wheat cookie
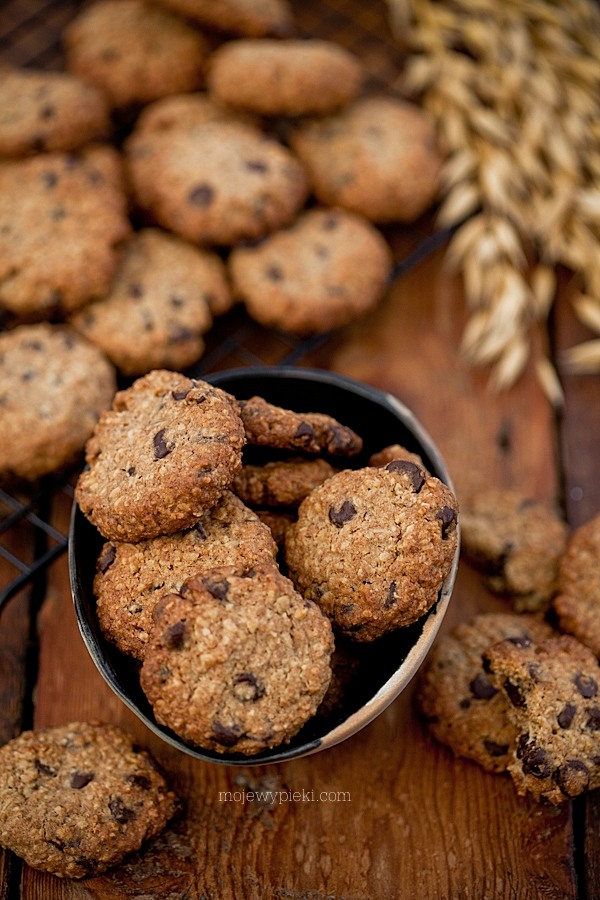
x: 577, y: 603
x: 54, y: 385
x: 373, y: 546
x: 377, y: 157
x: 284, y: 77
x: 159, y: 306
x: 164, y: 454
x: 41, y: 111
x: 132, y: 578
x: 255, y: 18
x: 280, y: 482
x: 237, y: 661
x: 268, y: 425
x: 326, y: 269
x: 215, y: 183
x: 461, y: 706
x: 62, y: 217
x: 553, y: 701
x: 134, y: 51
x: 517, y: 542
x: 77, y: 798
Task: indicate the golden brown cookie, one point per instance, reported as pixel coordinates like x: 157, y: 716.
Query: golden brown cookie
x: 279, y: 483
x: 255, y: 18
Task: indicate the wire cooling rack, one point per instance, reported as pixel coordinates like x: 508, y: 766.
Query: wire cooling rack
x: 30, y: 35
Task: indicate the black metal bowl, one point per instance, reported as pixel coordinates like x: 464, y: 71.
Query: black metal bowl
x: 381, y: 670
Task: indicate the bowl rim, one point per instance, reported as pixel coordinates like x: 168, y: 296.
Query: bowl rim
x: 400, y: 677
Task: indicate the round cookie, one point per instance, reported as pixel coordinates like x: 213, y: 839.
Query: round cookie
x: 42, y: 110
x: 461, y: 706
x: 552, y: 696
x: 75, y: 799
x: 517, y: 542
x: 326, y: 269
x: 284, y: 77
x: 577, y: 603
x: 132, y: 578
x: 62, y: 217
x: 134, y: 51
x: 53, y: 386
x: 268, y: 425
x: 255, y: 18
x: 372, y: 547
x: 159, y: 305
x: 238, y: 661
x: 281, y: 482
x: 377, y: 157
x: 183, y: 112
x: 216, y: 183
x: 163, y: 455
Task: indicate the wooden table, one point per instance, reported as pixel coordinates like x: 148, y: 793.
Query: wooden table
x: 402, y: 818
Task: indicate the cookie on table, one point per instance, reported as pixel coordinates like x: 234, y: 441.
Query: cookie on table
x: 577, y: 603
x: 255, y: 18
x: 62, y: 217
x: 395, y: 451
x: 134, y: 51
x: 373, y: 546
x: 517, y: 542
x: 54, y: 385
x: 377, y: 157
x: 77, y: 798
x: 554, y: 704
x: 164, y: 454
x: 43, y: 110
x: 159, y: 305
x: 132, y: 578
x: 328, y: 268
x: 461, y: 706
x: 281, y: 482
x: 215, y: 183
x: 237, y: 661
x: 284, y: 77
x: 268, y: 425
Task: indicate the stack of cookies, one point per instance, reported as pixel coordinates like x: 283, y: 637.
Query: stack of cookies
x: 233, y: 629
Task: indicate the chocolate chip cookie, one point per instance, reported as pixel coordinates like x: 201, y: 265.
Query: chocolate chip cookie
x: 255, y: 18
x: 554, y: 704
x: 459, y: 703
x: 132, y: 578
x: 75, y: 799
x: 284, y: 77
x: 237, y: 661
x: 517, y: 542
x: 159, y: 305
x: 53, y: 387
x: 163, y: 455
x: 62, y: 217
x: 48, y: 111
x: 373, y: 546
x: 134, y: 51
x: 577, y: 603
x: 281, y: 482
x: 328, y: 268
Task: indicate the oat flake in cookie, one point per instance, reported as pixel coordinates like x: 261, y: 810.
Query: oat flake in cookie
x: 373, y: 546
x: 237, y: 661
x: 162, y: 456
x: 54, y: 385
x: 75, y: 799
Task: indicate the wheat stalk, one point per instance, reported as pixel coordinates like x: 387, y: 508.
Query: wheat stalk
x: 514, y: 88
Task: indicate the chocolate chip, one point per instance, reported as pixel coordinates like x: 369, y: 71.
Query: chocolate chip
x: 274, y: 273
x: 217, y: 589
x: 201, y: 195
x: 390, y: 598
x: 135, y: 290
x: 226, y: 735
x: 339, y: 517
x: 482, y: 688
x: 139, y: 781
x: 121, y: 813
x: 573, y: 777
x: 447, y: 517
x: 174, y: 635
x: 131, y: 470
x: 181, y: 395
x: 346, y: 609
x: 514, y: 694
x: 520, y: 641
x: 305, y: 430
x: 566, y: 715
x: 495, y: 749
x: 44, y: 769
x: 593, y: 722
x: 201, y: 530
x: 181, y: 334
x: 330, y: 223
x: 465, y: 703
x: 50, y: 179
x: 410, y: 471
x: 80, y: 779
x: 47, y: 111
x: 586, y: 685
x: 160, y: 445
x: 256, y: 165
x: 537, y: 762
x: 247, y: 687
x: 176, y: 302
x: 107, y: 558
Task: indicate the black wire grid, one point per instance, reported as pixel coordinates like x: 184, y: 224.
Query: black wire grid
x: 30, y: 36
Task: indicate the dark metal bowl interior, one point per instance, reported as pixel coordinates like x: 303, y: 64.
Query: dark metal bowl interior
x: 381, y: 669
